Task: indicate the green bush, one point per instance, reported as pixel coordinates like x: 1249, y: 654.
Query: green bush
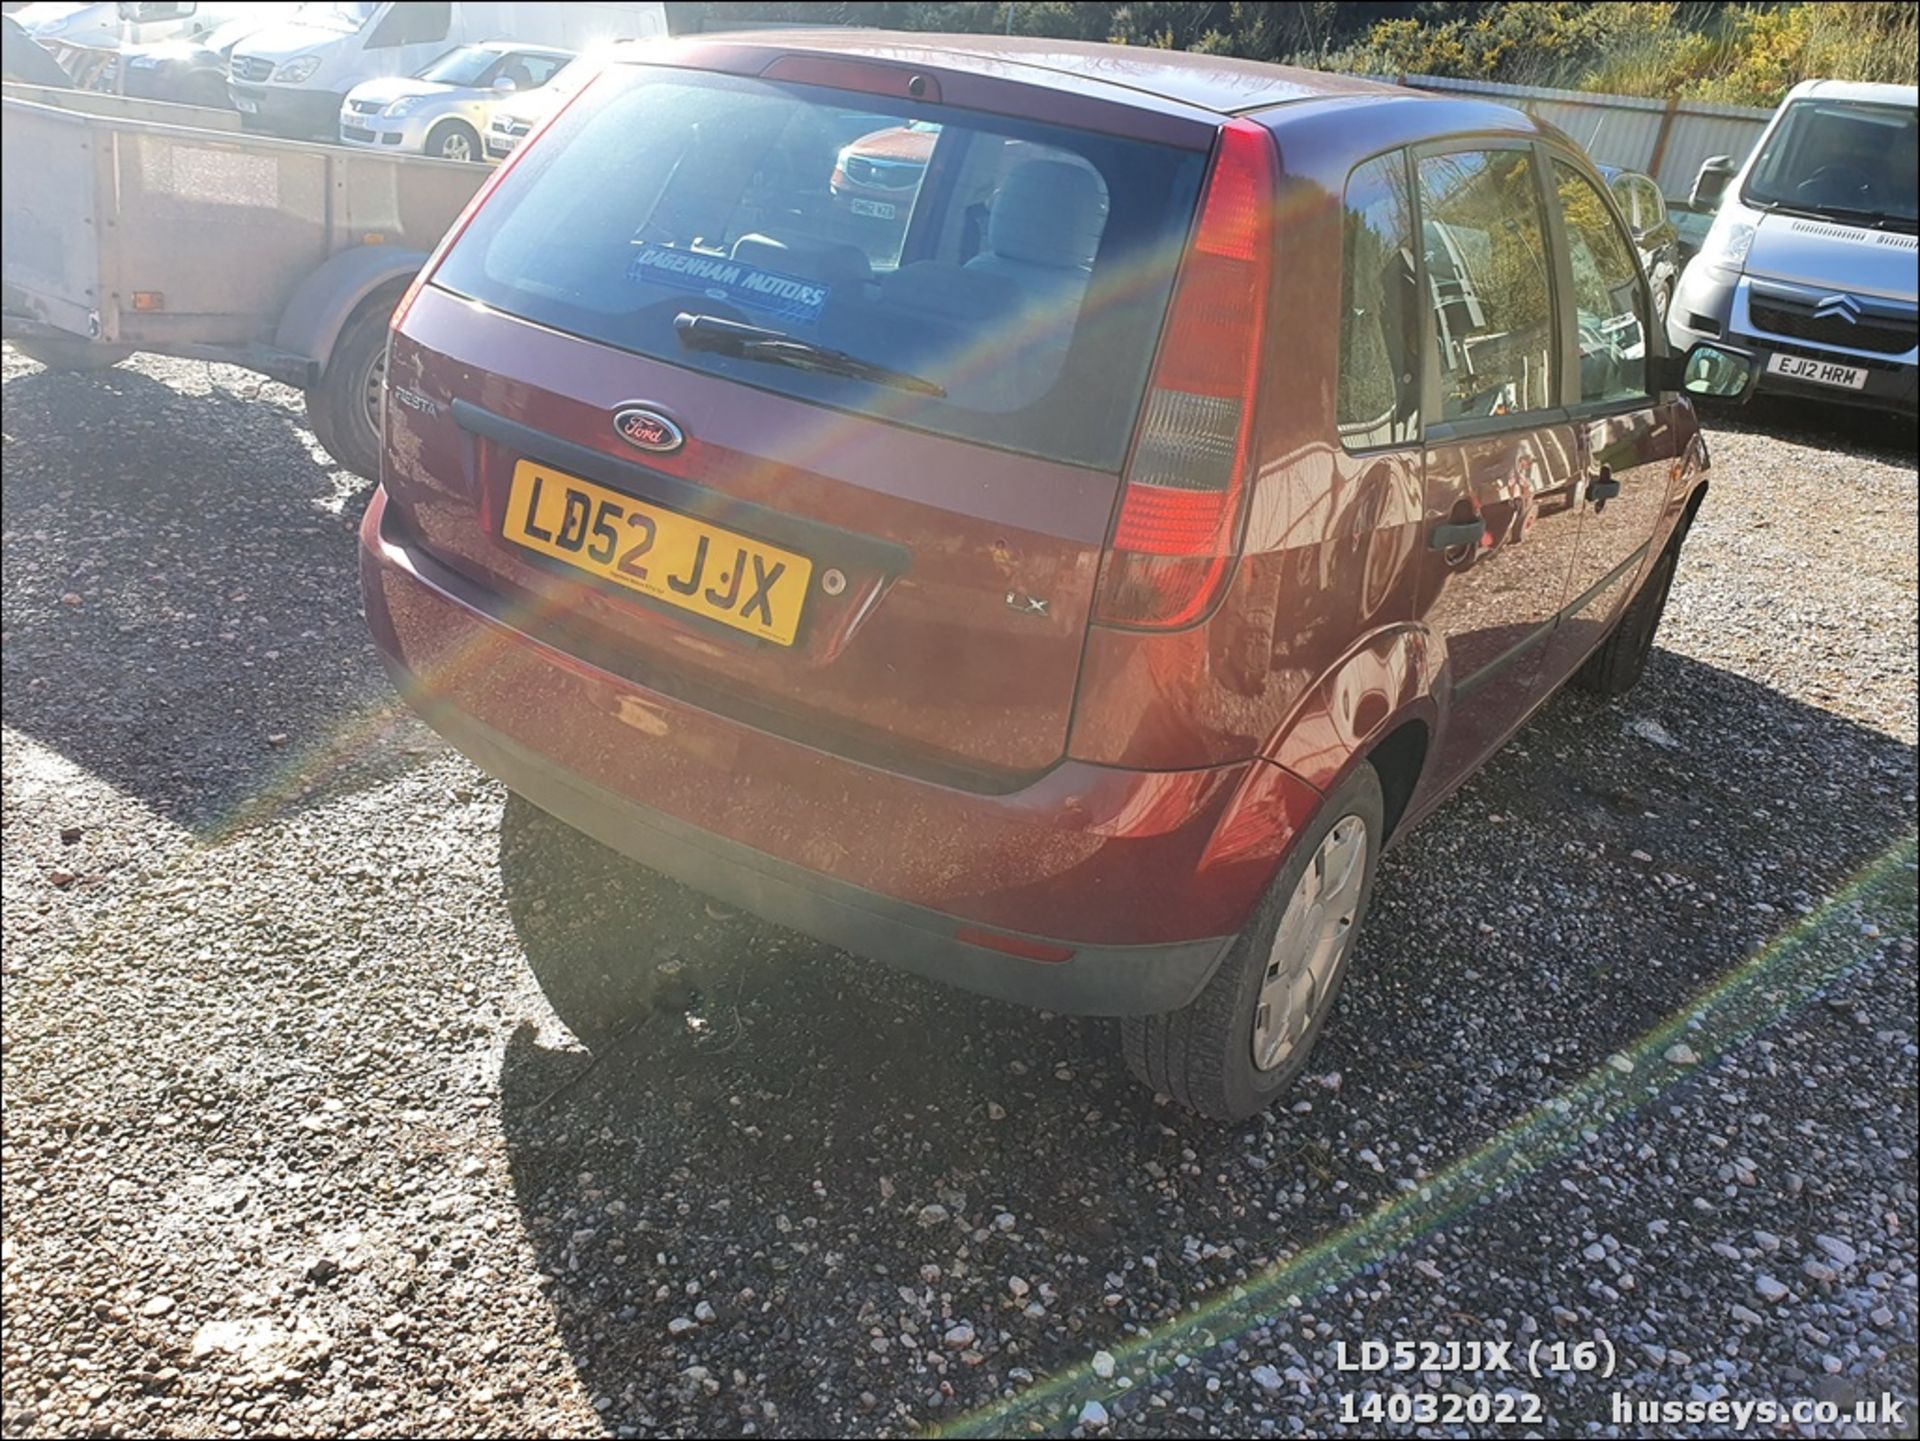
x: 1744, y: 53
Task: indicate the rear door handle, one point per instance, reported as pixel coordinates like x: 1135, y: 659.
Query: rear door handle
x: 1452, y: 537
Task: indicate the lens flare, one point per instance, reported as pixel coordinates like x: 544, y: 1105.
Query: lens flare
x: 1788, y: 971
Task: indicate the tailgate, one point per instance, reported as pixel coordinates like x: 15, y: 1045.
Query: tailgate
x: 942, y: 600
x: 878, y: 361
x: 49, y: 241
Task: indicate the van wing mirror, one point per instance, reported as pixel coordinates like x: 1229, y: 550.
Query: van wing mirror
x: 1711, y: 182
x: 1712, y: 372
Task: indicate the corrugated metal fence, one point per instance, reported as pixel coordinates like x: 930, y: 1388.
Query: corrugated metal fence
x: 1666, y: 139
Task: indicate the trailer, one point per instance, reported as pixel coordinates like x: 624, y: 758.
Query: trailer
x: 139, y: 225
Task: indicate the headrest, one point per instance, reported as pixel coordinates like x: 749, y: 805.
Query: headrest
x: 827, y: 260
x: 1048, y: 212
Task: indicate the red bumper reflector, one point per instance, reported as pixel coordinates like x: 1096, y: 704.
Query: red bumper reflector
x: 1013, y: 945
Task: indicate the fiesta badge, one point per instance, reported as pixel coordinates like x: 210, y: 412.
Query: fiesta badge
x: 647, y: 429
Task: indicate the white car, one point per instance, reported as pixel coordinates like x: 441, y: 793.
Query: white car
x: 514, y: 117
x: 105, y: 27
x: 85, y: 40
x: 443, y: 110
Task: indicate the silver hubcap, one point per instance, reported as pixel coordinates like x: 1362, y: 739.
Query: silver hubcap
x: 455, y: 147
x: 370, y: 392
x: 1310, y: 943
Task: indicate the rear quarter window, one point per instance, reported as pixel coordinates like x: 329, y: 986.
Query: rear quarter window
x: 1023, y: 269
x: 1379, y: 393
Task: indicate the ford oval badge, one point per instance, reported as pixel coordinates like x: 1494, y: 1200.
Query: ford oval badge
x: 647, y: 429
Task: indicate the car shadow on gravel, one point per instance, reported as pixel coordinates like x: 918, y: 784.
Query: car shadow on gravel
x: 1878, y: 435
x: 760, y: 1123
x: 181, y: 597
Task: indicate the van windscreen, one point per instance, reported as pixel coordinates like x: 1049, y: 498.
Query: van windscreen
x: 1843, y: 159
x: 979, y: 276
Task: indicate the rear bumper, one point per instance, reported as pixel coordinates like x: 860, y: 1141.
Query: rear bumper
x: 1142, y: 878
x: 1095, y: 980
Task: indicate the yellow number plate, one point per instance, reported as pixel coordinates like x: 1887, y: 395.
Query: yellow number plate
x: 744, y: 583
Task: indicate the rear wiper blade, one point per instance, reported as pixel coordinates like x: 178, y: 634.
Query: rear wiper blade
x: 754, y: 342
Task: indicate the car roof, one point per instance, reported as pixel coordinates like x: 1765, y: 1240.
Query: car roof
x: 1223, y: 84
x: 519, y: 49
x: 1856, y: 90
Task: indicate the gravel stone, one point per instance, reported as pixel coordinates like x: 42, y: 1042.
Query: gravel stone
x: 1839, y: 1250
x: 283, y: 997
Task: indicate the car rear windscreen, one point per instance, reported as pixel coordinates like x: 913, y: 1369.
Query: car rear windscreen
x: 975, y: 275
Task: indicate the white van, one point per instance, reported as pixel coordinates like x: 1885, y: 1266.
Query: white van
x: 84, y: 40
x: 107, y: 27
x: 1812, y: 259
x: 293, y: 78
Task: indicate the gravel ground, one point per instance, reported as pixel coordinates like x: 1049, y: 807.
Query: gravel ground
x: 345, y: 1094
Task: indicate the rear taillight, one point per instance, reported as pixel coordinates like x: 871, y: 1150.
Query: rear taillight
x: 1180, y: 511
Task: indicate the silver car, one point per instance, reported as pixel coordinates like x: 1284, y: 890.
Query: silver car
x: 443, y: 110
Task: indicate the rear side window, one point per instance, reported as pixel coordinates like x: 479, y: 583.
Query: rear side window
x: 1022, y: 270
x: 1487, y: 283
x: 1379, y: 395
x: 1609, y: 302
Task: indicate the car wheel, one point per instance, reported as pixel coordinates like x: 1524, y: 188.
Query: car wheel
x: 1237, y: 1046
x: 453, y: 140
x: 344, y: 408
x: 1616, y: 667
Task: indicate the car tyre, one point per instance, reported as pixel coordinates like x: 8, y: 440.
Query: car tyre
x: 1616, y: 667
x: 1203, y: 1055
x: 453, y: 140
x: 344, y: 408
